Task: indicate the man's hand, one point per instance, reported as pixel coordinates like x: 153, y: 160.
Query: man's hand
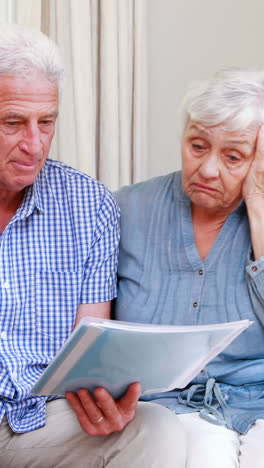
x: 253, y: 187
x: 101, y: 414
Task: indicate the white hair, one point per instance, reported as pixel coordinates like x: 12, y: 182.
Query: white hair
x: 234, y: 98
x: 29, y: 54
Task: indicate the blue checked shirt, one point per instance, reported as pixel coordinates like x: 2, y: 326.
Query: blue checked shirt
x: 58, y: 251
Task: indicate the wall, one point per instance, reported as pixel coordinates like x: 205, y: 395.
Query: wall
x: 188, y: 40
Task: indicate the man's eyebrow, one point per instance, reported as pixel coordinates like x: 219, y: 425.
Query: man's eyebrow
x: 13, y: 115
x: 17, y: 115
x: 50, y: 115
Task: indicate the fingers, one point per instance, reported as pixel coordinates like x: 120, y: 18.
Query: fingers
x: 126, y: 404
x: 83, y: 417
x: 109, y: 408
x: 90, y: 416
x: 103, y: 415
x: 88, y: 404
x: 121, y: 411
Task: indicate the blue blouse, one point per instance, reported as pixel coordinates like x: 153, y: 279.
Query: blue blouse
x: 162, y: 279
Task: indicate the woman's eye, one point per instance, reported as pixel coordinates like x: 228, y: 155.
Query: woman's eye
x: 198, y: 147
x: 233, y: 158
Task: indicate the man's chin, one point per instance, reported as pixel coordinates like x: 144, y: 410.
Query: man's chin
x: 20, y: 183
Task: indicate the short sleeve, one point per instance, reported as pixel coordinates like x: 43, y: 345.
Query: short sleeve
x: 99, y: 282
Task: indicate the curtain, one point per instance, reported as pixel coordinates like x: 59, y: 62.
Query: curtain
x: 105, y: 99
x: 27, y: 12
x: 102, y: 126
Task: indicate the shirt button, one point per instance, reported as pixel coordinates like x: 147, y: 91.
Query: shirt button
x: 3, y: 335
x: 6, y: 285
x: 14, y: 374
x: 195, y: 304
x: 200, y: 272
x: 254, y: 268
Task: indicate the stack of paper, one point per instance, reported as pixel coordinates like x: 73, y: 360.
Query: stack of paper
x: 112, y: 354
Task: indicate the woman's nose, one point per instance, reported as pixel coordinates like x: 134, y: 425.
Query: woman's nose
x: 209, y: 167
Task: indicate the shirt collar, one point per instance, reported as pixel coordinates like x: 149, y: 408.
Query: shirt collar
x: 36, y: 192
x: 32, y: 199
x: 178, y: 188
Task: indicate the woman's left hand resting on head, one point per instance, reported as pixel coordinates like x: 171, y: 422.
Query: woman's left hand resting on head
x: 253, y: 187
x: 101, y: 414
x: 253, y: 194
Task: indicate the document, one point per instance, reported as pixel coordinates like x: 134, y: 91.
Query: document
x: 114, y: 354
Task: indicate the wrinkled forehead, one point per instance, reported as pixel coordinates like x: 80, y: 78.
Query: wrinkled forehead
x: 24, y: 94
x: 29, y: 85
x: 245, y: 136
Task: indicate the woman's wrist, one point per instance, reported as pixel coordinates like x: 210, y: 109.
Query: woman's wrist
x: 256, y: 221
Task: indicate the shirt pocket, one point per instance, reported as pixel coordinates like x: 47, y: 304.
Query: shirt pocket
x: 57, y: 296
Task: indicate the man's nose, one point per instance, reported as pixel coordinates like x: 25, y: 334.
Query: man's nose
x: 209, y: 167
x: 31, y: 141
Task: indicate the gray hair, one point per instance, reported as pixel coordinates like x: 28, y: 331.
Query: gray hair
x: 234, y: 98
x: 29, y: 54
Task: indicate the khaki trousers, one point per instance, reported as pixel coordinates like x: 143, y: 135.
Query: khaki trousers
x: 154, y: 439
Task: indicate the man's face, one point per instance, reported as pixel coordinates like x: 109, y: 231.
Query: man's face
x: 28, y: 112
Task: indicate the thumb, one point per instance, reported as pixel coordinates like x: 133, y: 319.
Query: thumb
x: 129, y: 400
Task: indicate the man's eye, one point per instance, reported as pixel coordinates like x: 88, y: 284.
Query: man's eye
x: 12, y: 123
x: 46, y: 122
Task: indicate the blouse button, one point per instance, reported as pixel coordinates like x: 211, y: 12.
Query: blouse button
x: 200, y: 272
x: 195, y: 304
x: 254, y: 268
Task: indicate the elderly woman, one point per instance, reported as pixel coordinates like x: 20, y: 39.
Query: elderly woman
x: 192, y: 252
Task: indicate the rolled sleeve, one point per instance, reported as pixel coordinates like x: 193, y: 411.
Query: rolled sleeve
x: 255, y: 276
x: 99, y: 282
x: 255, y: 270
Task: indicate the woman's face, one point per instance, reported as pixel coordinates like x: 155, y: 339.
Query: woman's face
x: 215, y: 163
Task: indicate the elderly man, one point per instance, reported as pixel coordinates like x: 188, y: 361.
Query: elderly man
x: 59, y: 241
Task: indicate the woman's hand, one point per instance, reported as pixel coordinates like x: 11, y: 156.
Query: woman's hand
x: 101, y: 414
x: 253, y: 187
x: 253, y: 194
